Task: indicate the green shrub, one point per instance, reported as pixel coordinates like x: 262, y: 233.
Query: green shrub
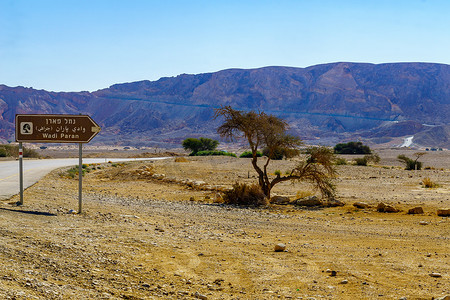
x: 85, y: 168
x: 248, y: 154
x: 352, y: 148
x: 214, y: 152
x: 72, y: 173
x: 3, y: 152
x: 245, y: 195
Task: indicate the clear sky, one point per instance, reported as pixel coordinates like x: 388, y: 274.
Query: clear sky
x: 78, y: 45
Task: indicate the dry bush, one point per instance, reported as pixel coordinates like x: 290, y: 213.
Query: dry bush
x: 428, y: 183
x: 340, y: 161
x: 374, y: 158
x: 13, y: 151
x: 361, y: 161
x: 181, y: 159
x: 245, y: 195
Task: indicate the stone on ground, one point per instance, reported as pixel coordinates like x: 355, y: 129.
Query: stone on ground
x: 280, y: 247
x: 309, y: 201
x: 415, y: 210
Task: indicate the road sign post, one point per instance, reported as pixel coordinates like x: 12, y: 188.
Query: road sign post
x: 55, y: 129
x: 21, y: 172
x: 80, y: 176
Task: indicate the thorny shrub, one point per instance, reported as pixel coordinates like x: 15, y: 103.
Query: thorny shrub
x: 245, y: 195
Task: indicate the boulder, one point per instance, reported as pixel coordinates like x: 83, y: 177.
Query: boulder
x: 443, y: 212
x: 415, y: 210
x: 280, y: 200
x: 309, y: 201
x: 333, y: 202
x: 386, y: 208
x: 361, y: 205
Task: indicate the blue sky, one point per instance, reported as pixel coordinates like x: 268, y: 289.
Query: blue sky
x: 67, y: 45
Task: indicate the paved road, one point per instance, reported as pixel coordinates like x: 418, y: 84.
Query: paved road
x: 33, y: 170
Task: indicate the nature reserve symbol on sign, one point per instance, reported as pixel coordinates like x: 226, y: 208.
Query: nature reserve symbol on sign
x: 26, y: 128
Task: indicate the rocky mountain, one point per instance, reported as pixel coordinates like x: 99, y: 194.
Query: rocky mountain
x: 324, y: 103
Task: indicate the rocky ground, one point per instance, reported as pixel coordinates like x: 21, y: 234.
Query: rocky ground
x: 158, y: 231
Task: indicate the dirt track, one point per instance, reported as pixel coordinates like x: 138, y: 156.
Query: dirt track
x: 141, y: 238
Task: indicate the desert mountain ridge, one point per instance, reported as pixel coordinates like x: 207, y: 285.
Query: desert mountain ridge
x: 325, y: 104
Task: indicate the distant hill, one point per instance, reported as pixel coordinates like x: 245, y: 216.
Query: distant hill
x: 324, y: 103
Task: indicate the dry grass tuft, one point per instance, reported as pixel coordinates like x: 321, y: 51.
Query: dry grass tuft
x: 428, y: 183
x: 181, y: 159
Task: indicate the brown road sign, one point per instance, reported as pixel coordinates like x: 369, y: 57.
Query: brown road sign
x: 55, y: 128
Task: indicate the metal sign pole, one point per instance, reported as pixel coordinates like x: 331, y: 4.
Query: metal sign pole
x: 21, y: 172
x: 80, y: 176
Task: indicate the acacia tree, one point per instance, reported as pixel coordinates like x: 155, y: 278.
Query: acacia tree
x: 202, y: 144
x: 262, y: 130
x: 411, y: 164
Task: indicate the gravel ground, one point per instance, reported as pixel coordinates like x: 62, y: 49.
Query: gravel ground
x: 145, y: 238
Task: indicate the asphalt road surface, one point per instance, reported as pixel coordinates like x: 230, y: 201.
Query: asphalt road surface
x: 33, y: 170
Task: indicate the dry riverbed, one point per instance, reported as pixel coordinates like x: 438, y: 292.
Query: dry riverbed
x: 164, y: 236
